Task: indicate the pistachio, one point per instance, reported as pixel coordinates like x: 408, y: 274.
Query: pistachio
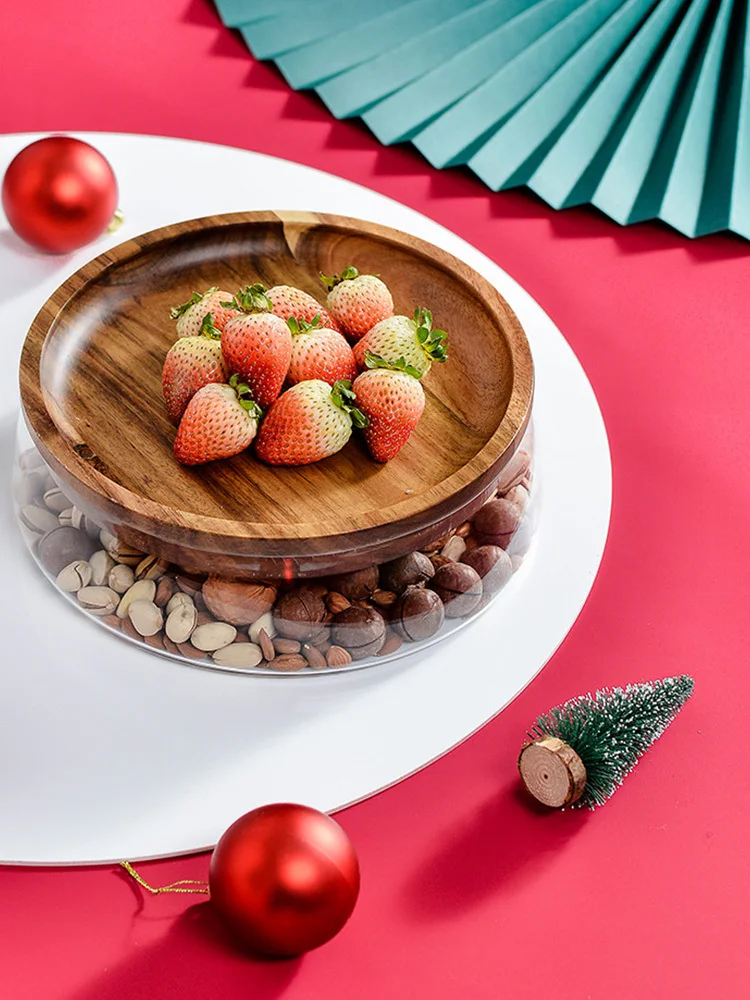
x: 119, y: 551
x: 55, y: 500
x: 121, y: 578
x: 37, y: 519
x: 151, y: 568
x: 98, y: 600
x: 181, y: 622
x: 74, y: 576
x: 177, y: 599
x: 65, y: 517
x: 142, y: 590
x: 238, y: 654
x: 101, y: 563
x: 454, y: 548
x: 145, y: 617
x: 265, y: 622
x: 213, y: 636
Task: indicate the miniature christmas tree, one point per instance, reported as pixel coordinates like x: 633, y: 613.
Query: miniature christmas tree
x: 581, y: 751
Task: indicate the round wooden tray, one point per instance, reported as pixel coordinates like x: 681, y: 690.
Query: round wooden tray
x: 91, y: 392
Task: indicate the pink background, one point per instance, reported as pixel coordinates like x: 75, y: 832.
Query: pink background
x: 467, y: 890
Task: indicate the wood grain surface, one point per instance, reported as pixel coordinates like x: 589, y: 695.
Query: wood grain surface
x: 91, y: 392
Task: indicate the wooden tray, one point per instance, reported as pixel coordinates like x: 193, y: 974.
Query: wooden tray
x: 91, y: 392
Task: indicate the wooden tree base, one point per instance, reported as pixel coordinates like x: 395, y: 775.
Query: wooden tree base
x: 552, y: 771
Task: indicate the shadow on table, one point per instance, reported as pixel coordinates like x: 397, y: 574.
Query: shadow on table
x: 195, y: 961
x: 510, y: 838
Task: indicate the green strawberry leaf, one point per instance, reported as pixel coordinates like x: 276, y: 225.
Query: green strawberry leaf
x: 176, y: 311
x: 245, y: 397
x: 298, y: 326
x: 344, y: 397
x: 400, y: 365
x: 253, y: 299
x: 348, y: 274
x: 433, y: 342
x: 208, y: 329
x: 359, y: 419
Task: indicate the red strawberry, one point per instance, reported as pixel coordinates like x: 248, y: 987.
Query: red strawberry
x: 319, y: 353
x: 311, y: 421
x: 400, y: 338
x: 190, y: 314
x: 220, y: 421
x: 191, y: 363
x: 392, y: 399
x: 357, y: 301
x: 287, y: 301
x: 258, y: 345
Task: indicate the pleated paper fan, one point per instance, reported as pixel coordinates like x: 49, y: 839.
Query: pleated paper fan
x: 638, y: 107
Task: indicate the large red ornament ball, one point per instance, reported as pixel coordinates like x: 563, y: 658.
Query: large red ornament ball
x: 284, y: 878
x: 59, y: 194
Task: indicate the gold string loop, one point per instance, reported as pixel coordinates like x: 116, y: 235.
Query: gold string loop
x: 179, y: 886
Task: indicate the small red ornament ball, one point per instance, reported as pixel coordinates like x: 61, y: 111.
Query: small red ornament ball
x: 59, y: 194
x: 284, y: 878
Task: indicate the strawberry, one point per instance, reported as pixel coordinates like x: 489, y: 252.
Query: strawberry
x: 311, y: 421
x: 392, y: 399
x: 190, y: 314
x: 258, y: 345
x: 318, y: 352
x: 220, y: 421
x: 287, y: 301
x: 357, y: 301
x: 412, y: 341
x: 191, y: 363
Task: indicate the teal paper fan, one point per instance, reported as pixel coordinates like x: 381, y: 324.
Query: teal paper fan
x: 638, y: 107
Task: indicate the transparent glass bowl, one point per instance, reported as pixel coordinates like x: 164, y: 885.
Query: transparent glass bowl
x: 272, y: 627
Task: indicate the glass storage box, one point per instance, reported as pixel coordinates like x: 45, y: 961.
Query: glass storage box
x: 242, y: 566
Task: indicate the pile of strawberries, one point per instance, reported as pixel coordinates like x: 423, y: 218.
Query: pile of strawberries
x: 274, y: 366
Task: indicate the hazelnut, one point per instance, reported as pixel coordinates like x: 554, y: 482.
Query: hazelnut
x: 460, y: 588
x: 360, y: 630
x: 63, y: 545
x: 418, y: 614
x: 492, y: 564
x: 236, y: 601
x: 298, y: 614
x: 411, y: 570
x: 497, y: 522
x: 356, y: 586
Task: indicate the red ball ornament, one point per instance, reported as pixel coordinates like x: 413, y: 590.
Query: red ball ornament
x: 59, y: 194
x: 284, y: 878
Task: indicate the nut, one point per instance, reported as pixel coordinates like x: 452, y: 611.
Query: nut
x: 393, y: 642
x: 454, y: 548
x: 121, y: 578
x: 337, y: 656
x: 459, y: 587
x: 492, y: 564
x: 188, y: 650
x: 298, y: 614
x: 55, y: 500
x: 112, y: 620
x: 518, y: 495
x: 145, y: 617
x: 141, y: 590
x: 156, y: 641
x: 101, y: 563
x: 171, y: 647
x: 165, y: 590
x: 288, y: 661
x: 357, y: 585
x: 497, y: 522
x: 74, y: 576
x: 284, y: 646
x: 265, y: 622
x: 464, y: 529
x: 411, y: 570
x: 77, y: 519
x: 336, y: 602
x: 439, y: 560
x: 189, y: 583
x: 37, y: 519
x: 62, y: 546
x: 181, y: 622
x: 384, y: 598
x: 238, y: 602
x: 177, y: 599
x: 204, y: 618
x: 267, y: 647
x: 360, y: 630
x: 238, y: 654
x: 419, y: 614
x: 317, y: 588
x: 520, y: 542
x: 98, y: 600
x: 119, y: 551
x: 314, y: 656
x: 129, y: 629
x: 151, y: 568
x: 515, y: 470
x: 213, y: 636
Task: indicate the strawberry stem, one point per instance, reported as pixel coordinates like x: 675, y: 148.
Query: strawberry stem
x: 176, y: 311
x: 251, y: 299
x: 208, y: 329
x: 344, y: 397
x: 298, y: 326
x: 400, y: 365
x: 348, y: 274
x: 245, y: 397
x: 433, y: 342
